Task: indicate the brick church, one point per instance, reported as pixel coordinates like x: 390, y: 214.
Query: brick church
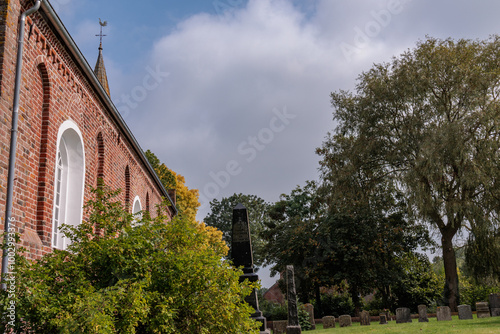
x: 69, y: 135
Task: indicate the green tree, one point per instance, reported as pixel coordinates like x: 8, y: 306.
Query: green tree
x: 165, y: 175
x: 291, y: 237
x: 334, y: 245
x: 428, y: 122
x: 418, y: 283
x: 187, y: 200
x: 365, y: 249
x: 155, y: 276
x: 221, y: 216
x: 482, y: 253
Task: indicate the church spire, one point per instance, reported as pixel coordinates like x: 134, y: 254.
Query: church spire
x: 100, y: 70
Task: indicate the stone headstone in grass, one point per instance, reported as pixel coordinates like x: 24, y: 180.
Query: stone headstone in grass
x: 495, y: 304
x: 310, y: 310
x: 345, y: 320
x: 383, y: 318
x: 482, y: 310
x: 293, y: 312
x: 422, y: 313
x: 403, y: 315
x: 279, y: 327
x: 464, y: 312
x: 328, y: 322
x: 364, y: 318
x: 443, y: 313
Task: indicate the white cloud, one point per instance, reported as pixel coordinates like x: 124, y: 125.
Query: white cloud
x: 228, y: 73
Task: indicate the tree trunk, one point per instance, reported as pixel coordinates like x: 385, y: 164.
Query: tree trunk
x: 319, y: 307
x: 356, y: 301
x: 451, y: 297
x: 385, y: 291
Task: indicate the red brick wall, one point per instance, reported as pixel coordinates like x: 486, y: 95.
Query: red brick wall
x: 55, y: 89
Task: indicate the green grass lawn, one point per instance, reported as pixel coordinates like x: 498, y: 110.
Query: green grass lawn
x: 474, y: 326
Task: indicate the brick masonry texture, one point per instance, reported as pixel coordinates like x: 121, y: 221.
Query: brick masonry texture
x: 54, y: 89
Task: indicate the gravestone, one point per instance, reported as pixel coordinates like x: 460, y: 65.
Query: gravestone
x: 464, y: 312
x: 482, y: 310
x: 345, y: 320
x: 293, y: 312
x: 422, y: 313
x: 241, y: 254
x: 310, y: 310
x: 279, y: 327
x: 403, y: 315
x: 364, y: 318
x: 383, y: 318
x: 328, y: 322
x: 443, y: 313
x: 495, y: 304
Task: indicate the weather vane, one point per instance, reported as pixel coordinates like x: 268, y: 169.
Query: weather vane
x: 103, y: 24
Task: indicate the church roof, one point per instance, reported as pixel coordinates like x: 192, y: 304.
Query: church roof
x: 100, y: 71
x: 48, y: 11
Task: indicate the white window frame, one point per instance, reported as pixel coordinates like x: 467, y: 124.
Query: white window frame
x: 137, y: 209
x: 69, y: 181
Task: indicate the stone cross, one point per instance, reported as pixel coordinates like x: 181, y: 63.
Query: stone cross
x: 241, y: 255
x: 293, y: 312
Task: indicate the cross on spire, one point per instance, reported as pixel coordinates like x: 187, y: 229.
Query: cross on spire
x: 100, y: 70
x: 103, y: 24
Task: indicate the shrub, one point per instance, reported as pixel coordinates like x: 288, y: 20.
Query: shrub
x: 305, y: 323
x: 337, y: 304
x: 471, y: 293
x: 152, y: 276
x: 273, y: 311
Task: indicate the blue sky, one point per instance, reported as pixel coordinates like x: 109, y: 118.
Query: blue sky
x: 234, y: 94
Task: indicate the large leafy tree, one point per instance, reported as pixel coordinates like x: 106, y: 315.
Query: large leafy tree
x: 221, y: 216
x: 187, y: 200
x: 152, y: 276
x: 359, y: 245
x: 427, y: 123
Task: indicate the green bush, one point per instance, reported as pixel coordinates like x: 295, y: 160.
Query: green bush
x: 471, y: 293
x: 305, y: 323
x: 276, y: 312
x: 337, y: 304
x: 153, y: 276
x: 273, y: 311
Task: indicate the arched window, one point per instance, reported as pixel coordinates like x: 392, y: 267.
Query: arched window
x: 147, y: 202
x: 127, y: 188
x: 100, y: 160
x: 69, y: 182
x: 137, y: 208
x: 43, y: 209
